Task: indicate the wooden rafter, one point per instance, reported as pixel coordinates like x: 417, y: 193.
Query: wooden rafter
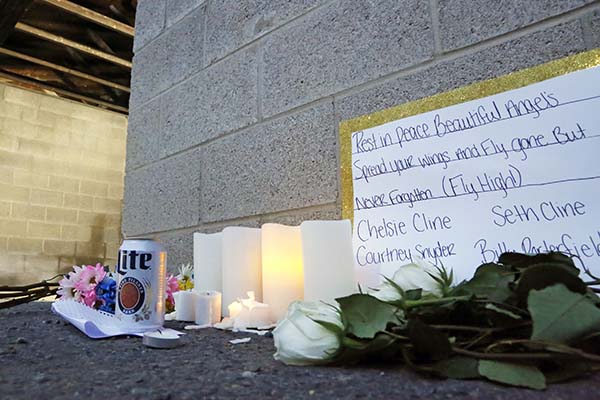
x: 61, y: 68
x: 72, y: 44
x: 19, y: 80
x: 92, y: 16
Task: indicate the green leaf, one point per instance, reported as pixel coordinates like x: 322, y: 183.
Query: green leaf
x: 427, y: 341
x: 543, y: 275
x: 458, y: 367
x: 560, y: 315
x: 523, y: 261
x: 366, y: 315
x: 513, y: 374
x: 491, y: 281
x: 355, y: 350
x: 413, y: 294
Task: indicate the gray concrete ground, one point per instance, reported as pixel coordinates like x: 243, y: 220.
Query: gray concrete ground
x: 42, y: 357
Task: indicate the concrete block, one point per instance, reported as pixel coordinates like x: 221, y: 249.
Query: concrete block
x: 144, y: 132
x: 35, y: 147
x: 523, y: 52
x: 116, y: 191
x: 172, y: 57
x: 163, y: 195
x: 341, y: 45
x: 90, y: 250
x: 185, y: 47
x: 283, y: 164
x: 80, y: 202
x: 180, y: 248
x: 149, y: 21
x: 3, y: 245
x: 26, y: 178
x: 94, y: 188
x: 43, y: 230
x: 231, y: 25
x: 24, y: 246
x: 4, y: 209
x: 14, y: 193
x: 28, y: 212
x: 112, y: 252
x: 61, y: 215
x: 594, y: 34
x: 59, y: 248
x: 464, y: 22
x: 148, y: 72
x: 295, y: 217
x: 98, y: 218
x: 217, y: 100
x: 53, y: 167
x: 15, y: 160
x: 6, y: 175
x: 107, y: 205
x: 8, y: 142
x: 46, y: 197
x: 111, y: 235
x: 80, y: 233
x: 10, y: 227
x: 177, y: 9
x: 22, y: 97
x: 64, y: 184
x: 37, y: 267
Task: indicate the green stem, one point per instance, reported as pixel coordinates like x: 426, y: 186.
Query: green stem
x: 431, y: 302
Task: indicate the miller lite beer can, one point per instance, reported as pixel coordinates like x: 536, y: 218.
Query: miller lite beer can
x: 141, y: 281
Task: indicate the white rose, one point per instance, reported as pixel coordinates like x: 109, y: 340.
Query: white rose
x: 302, y: 341
x: 415, y: 275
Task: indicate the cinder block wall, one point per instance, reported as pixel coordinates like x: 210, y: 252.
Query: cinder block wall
x: 61, y: 185
x: 236, y: 104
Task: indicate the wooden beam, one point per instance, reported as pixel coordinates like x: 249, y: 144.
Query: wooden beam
x: 10, y: 13
x: 64, y: 93
x: 72, y: 44
x: 66, y: 70
x: 92, y: 16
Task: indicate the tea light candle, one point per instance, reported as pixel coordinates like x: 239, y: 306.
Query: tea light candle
x: 185, y: 305
x: 241, y: 256
x: 208, y: 308
x: 327, y: 259
x: 282, y: 275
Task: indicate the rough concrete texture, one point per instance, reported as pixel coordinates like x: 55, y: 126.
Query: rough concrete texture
x: 283, y: 164
x: 343, y: 44
x: 43, y: 357
x: 242, y: 94
x: 519, y: 53
x: 163, y: 196
x: 233, y: 24
x: 219, y: 99
x: 177, y: 9
x: 149, y: 22
x: 465, y: 22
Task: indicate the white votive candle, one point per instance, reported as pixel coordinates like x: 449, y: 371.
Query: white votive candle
x: 185, y: 303
x: 241, y: 255
x: 327, y: 258
x: 208, y: 307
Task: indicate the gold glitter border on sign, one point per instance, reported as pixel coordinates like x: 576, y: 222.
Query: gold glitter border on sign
x: 463, y: 94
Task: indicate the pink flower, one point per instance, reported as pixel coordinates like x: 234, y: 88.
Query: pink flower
x: 89, y: 298
x: 90, y: 276
x: 172, y: 287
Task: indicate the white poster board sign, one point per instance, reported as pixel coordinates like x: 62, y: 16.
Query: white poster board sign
x: 458, y: 186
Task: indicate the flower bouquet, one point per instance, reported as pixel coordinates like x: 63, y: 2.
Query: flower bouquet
x: 528, y: 320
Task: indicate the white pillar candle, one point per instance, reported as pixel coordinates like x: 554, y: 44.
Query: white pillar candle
x: 282, y: 275
x: 208, y: 274
x: 327, y: 258
x: 208, y: 307
x: 241, y: 263
x: 185, y: 305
